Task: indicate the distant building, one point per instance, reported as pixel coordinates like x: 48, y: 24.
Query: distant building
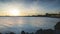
x: 52, y: 15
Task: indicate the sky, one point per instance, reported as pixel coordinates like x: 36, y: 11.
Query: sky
x: 28, y: 7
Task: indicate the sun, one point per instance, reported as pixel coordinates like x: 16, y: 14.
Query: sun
x: 14, y: 12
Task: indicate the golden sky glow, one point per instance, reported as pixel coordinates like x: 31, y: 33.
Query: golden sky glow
x: 16, y: 11
x: 13, y: 12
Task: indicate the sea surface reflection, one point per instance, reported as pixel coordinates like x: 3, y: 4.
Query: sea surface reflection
x: 28, y: 24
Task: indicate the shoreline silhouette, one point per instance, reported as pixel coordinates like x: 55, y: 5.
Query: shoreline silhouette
x: 46, y: 15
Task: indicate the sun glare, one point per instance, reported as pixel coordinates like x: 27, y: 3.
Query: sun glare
x: 14, y: 12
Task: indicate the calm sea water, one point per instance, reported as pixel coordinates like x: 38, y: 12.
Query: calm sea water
x: 28, y: 24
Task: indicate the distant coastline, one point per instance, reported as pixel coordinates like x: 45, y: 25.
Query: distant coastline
x: 46, y: 15
x: 29, y: 16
